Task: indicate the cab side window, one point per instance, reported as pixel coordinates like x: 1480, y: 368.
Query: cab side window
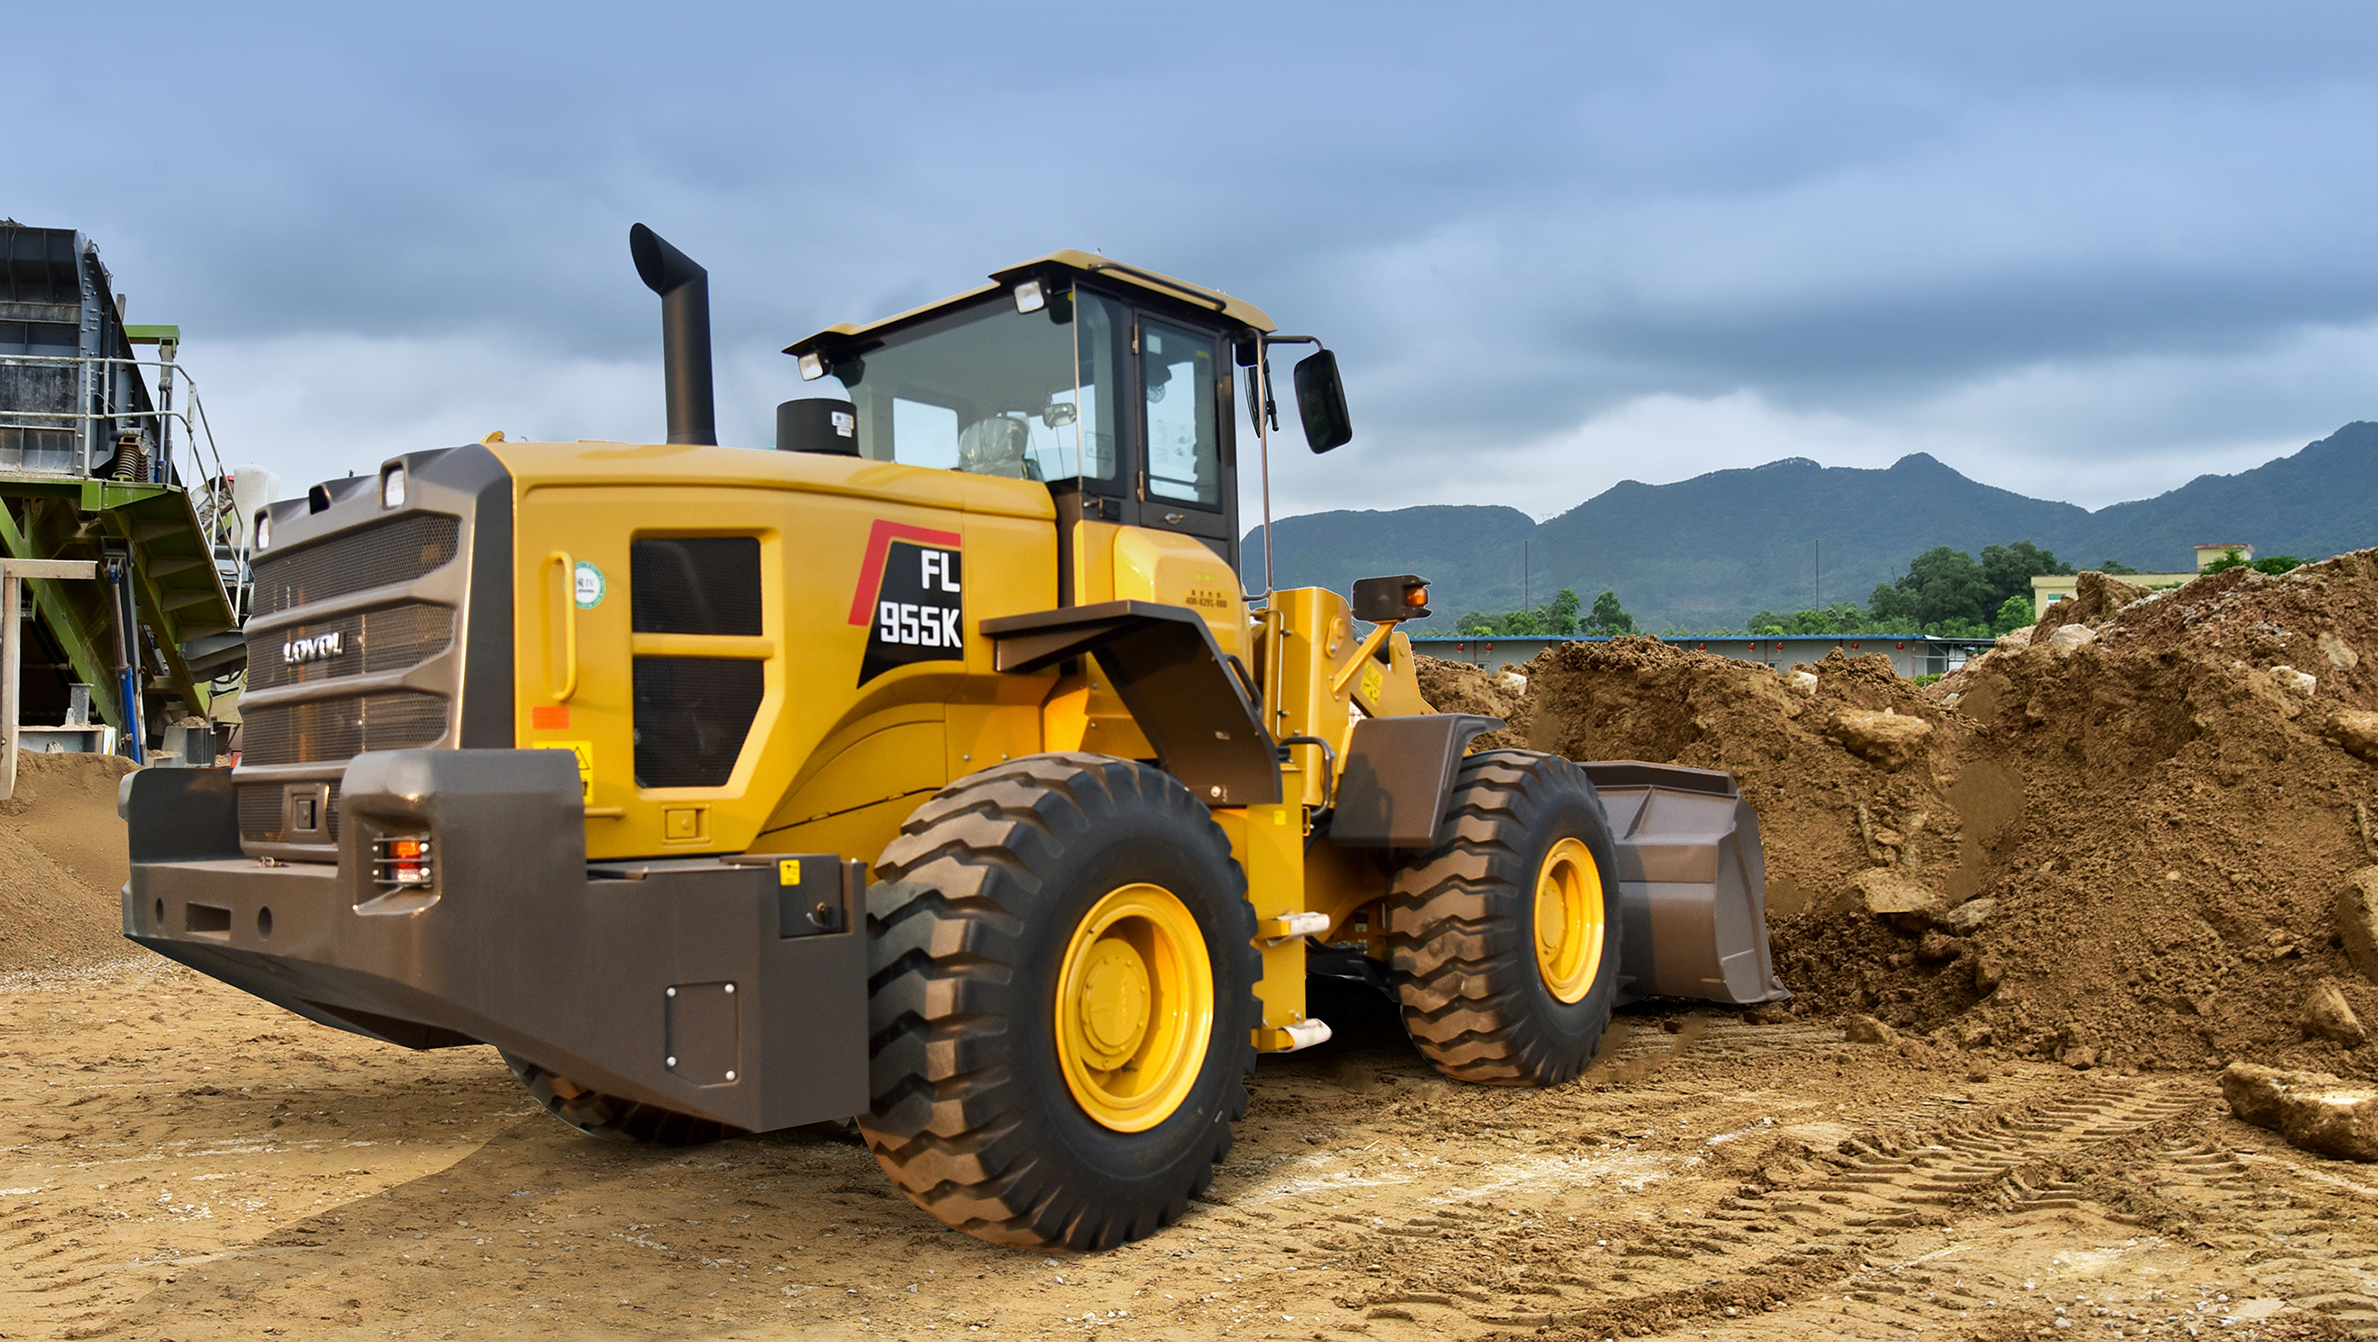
x: 1177, y: 372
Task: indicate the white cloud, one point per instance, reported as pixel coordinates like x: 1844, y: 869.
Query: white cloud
x: 315, y: 407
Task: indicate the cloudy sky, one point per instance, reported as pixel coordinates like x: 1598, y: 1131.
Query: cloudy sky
x: 2082, y: 251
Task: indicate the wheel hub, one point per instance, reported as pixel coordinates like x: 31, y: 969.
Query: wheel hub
x: 1135, y: 1008
x: 1115, y: 1002
x: 1570, y: 914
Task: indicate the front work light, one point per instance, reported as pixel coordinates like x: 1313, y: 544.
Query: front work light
x: 1029, y: 297
x: 263, y: 528
x: 813, y: 366
x: 392, y: 486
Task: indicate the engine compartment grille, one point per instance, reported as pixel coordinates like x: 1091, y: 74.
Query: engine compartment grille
x: 388, y: 639
x: 326, y: 730
x: 400, y: 550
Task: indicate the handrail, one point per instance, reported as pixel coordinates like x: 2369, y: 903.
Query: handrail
x: 206, y: 454
x: 569, y: 624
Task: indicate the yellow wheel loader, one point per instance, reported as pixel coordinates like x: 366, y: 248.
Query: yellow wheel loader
x: 932, y: 770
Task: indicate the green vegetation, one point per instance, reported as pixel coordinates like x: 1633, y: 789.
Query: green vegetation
x: 2275, y: 565
x: 1943, y: 592
x: 1556, y: 617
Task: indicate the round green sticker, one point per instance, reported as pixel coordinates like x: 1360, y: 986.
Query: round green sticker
x: 589, y: 581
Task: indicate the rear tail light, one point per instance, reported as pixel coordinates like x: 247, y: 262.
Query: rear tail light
x: 403, y: 862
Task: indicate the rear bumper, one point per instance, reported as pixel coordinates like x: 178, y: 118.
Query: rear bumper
x: 732, y: 992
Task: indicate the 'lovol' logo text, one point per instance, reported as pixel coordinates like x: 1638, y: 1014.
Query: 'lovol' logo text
x: 319, y: 648
x: 909, y: 596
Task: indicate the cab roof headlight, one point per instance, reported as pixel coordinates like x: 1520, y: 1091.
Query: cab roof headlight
x: 813, y: 366
x: 263, y: 528
x: 1030, y: 297
x: 392, y: 486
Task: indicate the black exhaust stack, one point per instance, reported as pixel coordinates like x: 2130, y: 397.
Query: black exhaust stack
x: 685, y: 333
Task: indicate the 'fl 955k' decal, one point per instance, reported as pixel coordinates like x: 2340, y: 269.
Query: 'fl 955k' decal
x: 909, y: 597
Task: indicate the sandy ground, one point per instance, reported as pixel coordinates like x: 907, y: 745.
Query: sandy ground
x: 180, y: 1161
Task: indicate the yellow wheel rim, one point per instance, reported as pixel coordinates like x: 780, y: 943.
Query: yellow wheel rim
x: 1135, y: 1008
x: 1569, y: 920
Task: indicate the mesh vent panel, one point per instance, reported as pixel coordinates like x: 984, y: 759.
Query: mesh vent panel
x: 695, y: 585
x: 337, y: 729
x: 261, y: 814
x: 401, y: 550
x: 692, y: 714
x: 369, y: 641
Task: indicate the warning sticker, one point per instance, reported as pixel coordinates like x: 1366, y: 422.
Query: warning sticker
x: 584, y: 750
x: 911, y: 598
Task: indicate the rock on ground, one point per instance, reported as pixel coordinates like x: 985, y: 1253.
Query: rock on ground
x: 2327, y: 1015
x: 1868, y: 1030
x: 1887, y: 738
x: 2312, y: 1110
x: 2357, y: 920
x: 2356, y: 731
x: 1968, y: 917
x: 1888, y: 892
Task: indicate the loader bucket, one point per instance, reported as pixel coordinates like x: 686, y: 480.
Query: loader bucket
x: 1692, y: 887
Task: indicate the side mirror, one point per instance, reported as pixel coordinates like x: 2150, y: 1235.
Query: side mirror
x: 1321, y: 402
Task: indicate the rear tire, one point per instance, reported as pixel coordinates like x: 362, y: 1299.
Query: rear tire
x: 1505, y: 937
x: 1061, y: 1005
x: 611, y: 1118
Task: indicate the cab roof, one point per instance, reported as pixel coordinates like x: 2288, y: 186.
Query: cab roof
x: 1066, y: 265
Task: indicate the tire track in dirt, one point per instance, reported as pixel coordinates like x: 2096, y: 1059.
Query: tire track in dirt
x: 1759, y: 1250
x: 1704, y: 1164
x: 1885, y: 1233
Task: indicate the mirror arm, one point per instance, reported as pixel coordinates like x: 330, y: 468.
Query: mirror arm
x: 1270, y: 412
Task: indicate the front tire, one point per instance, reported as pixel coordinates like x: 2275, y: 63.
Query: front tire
x: 1505, y: 937
x: 1061, y: 1005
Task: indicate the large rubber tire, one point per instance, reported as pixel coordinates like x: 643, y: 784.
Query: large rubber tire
x: 977, y: 915
x: 611, y: 1118
x: 1462, y: 926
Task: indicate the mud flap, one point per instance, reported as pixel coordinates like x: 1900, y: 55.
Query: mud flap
x: 1692, y: 884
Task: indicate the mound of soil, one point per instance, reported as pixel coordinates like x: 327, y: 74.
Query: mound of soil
x: 63, y: 864
x: 1458, y: 687
x: 2151, y: 799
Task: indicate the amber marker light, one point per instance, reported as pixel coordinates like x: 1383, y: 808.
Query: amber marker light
x: 403, y: 862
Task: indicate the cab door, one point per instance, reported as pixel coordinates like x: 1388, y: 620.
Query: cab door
x: 1183, y: 478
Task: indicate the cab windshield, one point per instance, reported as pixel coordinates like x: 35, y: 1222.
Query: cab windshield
x: 1025, y: 395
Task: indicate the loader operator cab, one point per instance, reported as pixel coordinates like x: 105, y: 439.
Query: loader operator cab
x: 1111, y: 384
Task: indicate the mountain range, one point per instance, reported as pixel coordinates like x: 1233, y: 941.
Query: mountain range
x: 1706, y: 553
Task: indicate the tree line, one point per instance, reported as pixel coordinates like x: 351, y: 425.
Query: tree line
x: 1563, y: 615
x: 1945, y: 592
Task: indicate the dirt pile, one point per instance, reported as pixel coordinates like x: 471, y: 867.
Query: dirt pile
x: 2142, y: 828
x: 1458, y: 687
x: 63, y: 864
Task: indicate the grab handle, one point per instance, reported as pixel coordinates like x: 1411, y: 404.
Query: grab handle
x: 569, y: 625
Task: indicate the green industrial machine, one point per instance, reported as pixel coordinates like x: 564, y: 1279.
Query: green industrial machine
x: 97, y: 465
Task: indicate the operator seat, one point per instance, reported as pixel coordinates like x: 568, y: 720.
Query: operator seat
x: 997, y: 446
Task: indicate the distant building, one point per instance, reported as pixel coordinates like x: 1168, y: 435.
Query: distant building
x: 2049, y: 588
x: 1910, y: 654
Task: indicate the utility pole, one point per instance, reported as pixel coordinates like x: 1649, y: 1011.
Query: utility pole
x: 1524, y: 602
x: 1820, y: 575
